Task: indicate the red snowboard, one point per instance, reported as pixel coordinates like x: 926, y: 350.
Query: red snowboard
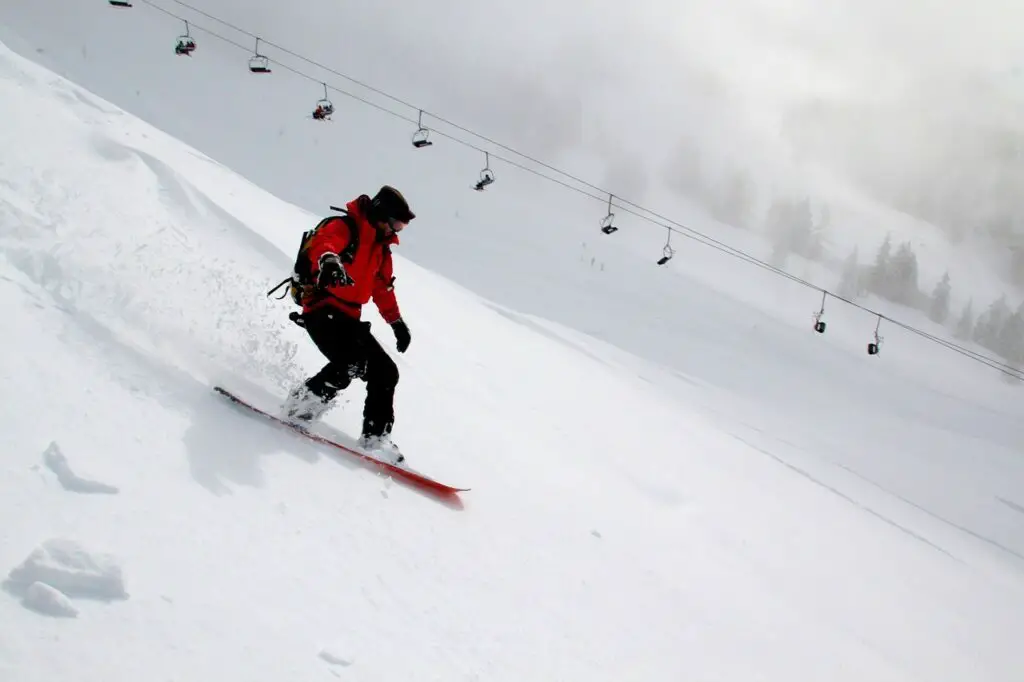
x: 397, y: 471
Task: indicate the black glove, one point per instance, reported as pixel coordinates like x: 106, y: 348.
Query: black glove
x: 332, y: 272
x: 402, y: 335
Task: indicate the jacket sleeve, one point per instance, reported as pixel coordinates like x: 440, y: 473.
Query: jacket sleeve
x: 332, y: 237
x: 384, y: 291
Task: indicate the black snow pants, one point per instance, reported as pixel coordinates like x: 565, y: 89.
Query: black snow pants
x: 353, y: 353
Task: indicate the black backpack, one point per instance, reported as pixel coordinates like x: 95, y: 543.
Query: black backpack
x: 301, y: 283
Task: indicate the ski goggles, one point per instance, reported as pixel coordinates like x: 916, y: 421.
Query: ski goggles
x: 397, y: 225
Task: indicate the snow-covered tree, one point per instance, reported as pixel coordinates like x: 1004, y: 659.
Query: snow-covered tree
x: 894, y: 275
x: 1011, y: 337
x: 792, y: 229
x: 965, y: 325
x: 990, y: 324
x: 903, y: 276
x: 850, y: 281
x: 1017, y: 265
x: 938, y: 306
x: 878, y: 276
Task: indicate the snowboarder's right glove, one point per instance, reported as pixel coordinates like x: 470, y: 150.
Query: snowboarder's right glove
x: 332, y: 273
x: 402, y: 335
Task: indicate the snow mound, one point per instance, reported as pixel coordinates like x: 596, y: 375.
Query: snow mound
x: 48, y: 600
x: 66, y: 566
x: 58, y: 464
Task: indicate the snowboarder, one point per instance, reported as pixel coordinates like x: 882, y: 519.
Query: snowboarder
x: 345, y: 262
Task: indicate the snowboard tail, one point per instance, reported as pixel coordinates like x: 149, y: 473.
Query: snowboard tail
x: 397, y: 471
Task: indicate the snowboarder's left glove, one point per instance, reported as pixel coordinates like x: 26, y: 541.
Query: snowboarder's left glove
x: 332, y: 272
x: 402, y: 335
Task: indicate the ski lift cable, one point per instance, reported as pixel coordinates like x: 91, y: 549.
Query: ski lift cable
x: 950, y: 345
x: 637, y: 210
x: 597, y: 194
x: 287, y: 67
x: 955, y: 347
x: 409, y: 119
x: 292, y: 53
x: 397, y: 100
x: 376, y: 105
x: 642, y: 213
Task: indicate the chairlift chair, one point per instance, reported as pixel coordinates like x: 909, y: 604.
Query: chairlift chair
x: 607, y: 225
x: 185, y: 45
x: 820, y: 324
x: 421, y: 137
x: 486, y: 178
x: 668, y: 251
x: 876, y: 345
x: 258, y: 63
x: 119, y: 3
x: 324, y: 107
x: 666, y: 254
x: 486, y: 175
x: 323, y: 110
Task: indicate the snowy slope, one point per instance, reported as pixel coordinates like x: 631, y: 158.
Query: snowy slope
x: 613, y: 530
x: 623, y: 523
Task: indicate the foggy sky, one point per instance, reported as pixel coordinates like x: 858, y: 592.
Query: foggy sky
x: 912, y: 101
x: 871, y: 88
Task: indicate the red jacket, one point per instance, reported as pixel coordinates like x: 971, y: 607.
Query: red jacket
x: 371, y: 266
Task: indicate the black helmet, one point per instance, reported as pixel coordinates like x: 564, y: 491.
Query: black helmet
x: 390, y: 204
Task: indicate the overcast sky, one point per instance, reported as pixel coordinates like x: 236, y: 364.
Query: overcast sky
x: 628, y: 79
x: 634, y: 56
x: 885, y: 93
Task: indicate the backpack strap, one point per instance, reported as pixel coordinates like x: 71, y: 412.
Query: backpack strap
x: 280, y: 284
x: 348, y: 254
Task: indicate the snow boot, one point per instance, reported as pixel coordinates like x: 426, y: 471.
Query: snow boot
x: 303, y: 406
x: 382, y: 448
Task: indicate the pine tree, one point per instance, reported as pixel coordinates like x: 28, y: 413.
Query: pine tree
x: 777, y: 223
x: 805, y: 234
x: 990, y: 324
x: 938, y: 309
x: 792, y: 230
x: 902, y: 276
x: 1017, y: 265
x: 850, y: 279
x: 965, y: 325
x: 808, y: 232
x: 1011, y: 337
x: 878, y: 277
